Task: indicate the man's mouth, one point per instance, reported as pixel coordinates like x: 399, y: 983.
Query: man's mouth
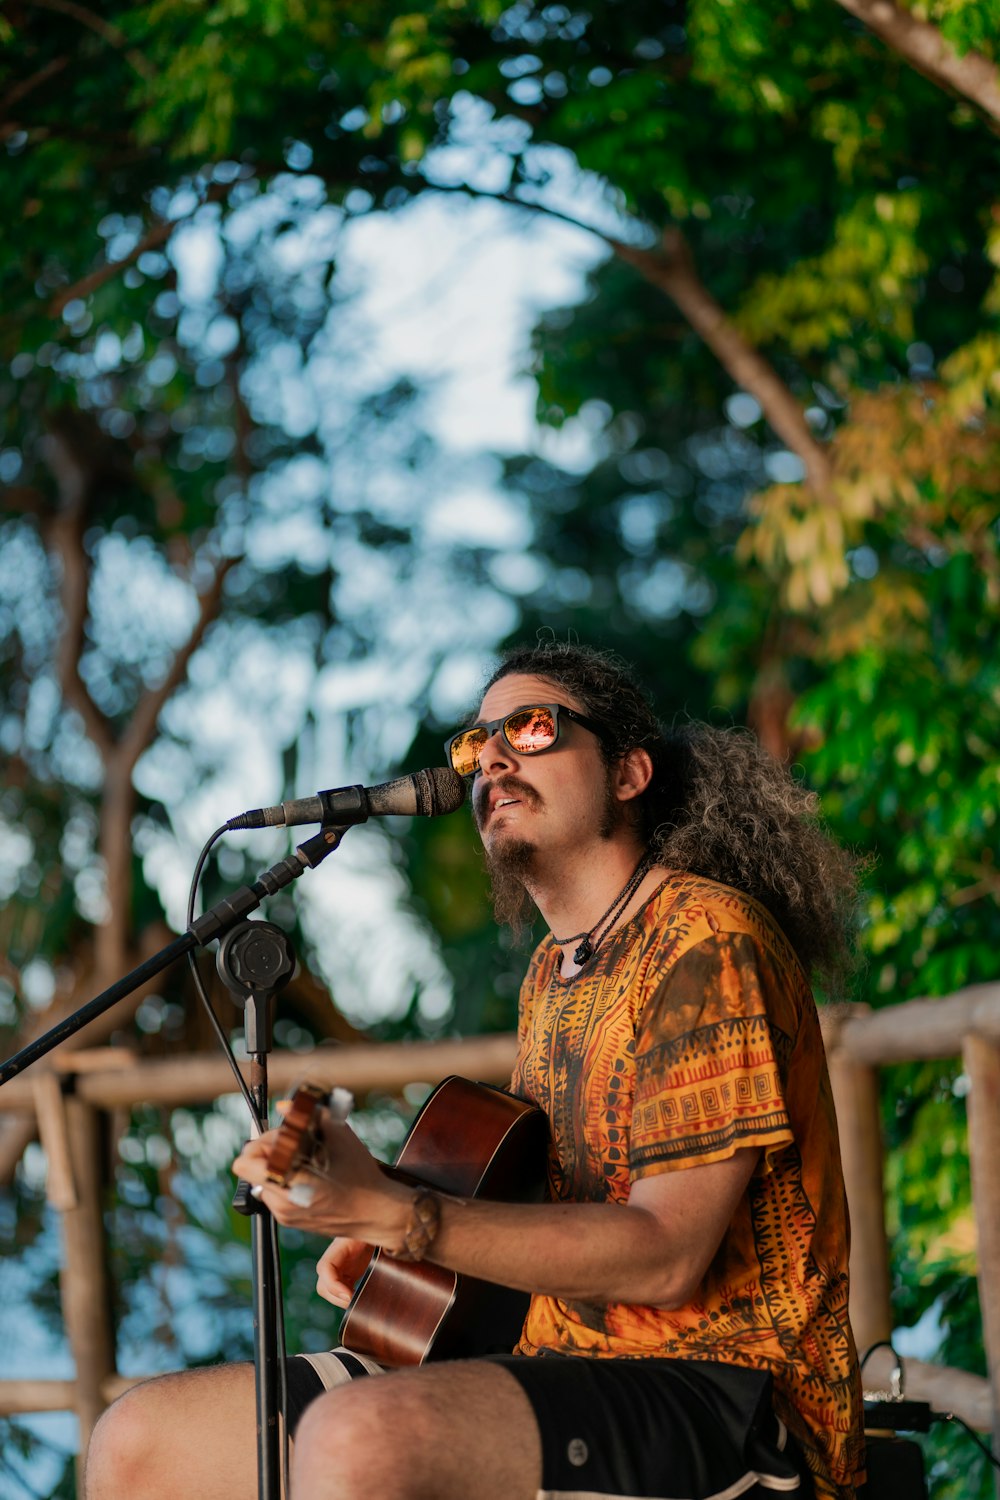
x: 494, y: 802
x: 499, y: 806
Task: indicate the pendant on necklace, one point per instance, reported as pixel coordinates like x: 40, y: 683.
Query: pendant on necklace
x: 584, y: 952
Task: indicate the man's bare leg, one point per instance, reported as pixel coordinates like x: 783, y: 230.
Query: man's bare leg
x: 443, y: 1432
x: 461, y: 1431
x: 192, y: 1434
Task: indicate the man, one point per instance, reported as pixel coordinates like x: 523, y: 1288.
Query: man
x: 688, y: 1331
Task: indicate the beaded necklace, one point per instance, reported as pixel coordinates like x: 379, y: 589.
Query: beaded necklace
x: 590, y: 943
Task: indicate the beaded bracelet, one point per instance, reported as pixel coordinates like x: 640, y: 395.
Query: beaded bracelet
x: 421, y: 1231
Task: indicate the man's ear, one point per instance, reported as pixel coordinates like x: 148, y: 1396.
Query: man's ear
x: 632, y: 774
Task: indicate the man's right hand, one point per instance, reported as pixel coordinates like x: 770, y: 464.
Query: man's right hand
x: 340, y: 1268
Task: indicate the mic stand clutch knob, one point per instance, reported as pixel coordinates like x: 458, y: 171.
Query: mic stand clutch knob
x: 255, y: 961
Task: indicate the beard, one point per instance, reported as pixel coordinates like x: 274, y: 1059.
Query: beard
x: 511, y: 863
x: 509, y: 869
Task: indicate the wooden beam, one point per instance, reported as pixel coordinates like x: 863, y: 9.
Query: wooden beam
x: 86, y: 1297
x: 20, y: 1396
x: 93, y: 1059
x: 116, y: 1385
x: 982, y: 1064
x: 50, y: 1110
x: 855, y: 1093
x: 944, y: 1389
x: 916, y: 1030
x: 199, y: 1079
x: 911, y: 1031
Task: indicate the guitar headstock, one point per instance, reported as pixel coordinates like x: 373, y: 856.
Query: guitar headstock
x: 298, y: 1134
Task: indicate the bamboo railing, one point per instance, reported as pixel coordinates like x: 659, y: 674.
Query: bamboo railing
x: 859, y: 1041
x: 66, y: 1096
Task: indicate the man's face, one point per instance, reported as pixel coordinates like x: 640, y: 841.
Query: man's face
x: 549, y: 802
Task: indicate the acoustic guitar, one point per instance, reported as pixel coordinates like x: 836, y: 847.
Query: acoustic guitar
x: 468, y: 1139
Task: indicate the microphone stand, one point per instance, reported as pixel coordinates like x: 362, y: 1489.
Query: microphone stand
x: 256, y: 978
x: 256, y: 960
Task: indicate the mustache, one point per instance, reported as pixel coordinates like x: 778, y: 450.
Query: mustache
x: 509, y: 785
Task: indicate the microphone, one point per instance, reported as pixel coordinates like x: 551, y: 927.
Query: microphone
x: 425, y: 794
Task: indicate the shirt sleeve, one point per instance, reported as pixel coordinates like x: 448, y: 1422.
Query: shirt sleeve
x: 712, y: 1053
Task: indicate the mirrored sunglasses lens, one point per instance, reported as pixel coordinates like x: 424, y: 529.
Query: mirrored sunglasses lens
x: 465, y: 750
x: 530, y: 730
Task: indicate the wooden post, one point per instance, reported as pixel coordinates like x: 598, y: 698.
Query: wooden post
x: 86, y: 1295
x: 53, y: 1132
x: 855, y: 1094
x: 982, y: 1064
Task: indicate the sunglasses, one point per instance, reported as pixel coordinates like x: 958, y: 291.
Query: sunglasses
x: 526, y: 731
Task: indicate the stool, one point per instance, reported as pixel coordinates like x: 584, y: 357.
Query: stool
x: 895, y: 1469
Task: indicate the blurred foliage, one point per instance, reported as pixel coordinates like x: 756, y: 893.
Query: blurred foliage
x: 181, y: 389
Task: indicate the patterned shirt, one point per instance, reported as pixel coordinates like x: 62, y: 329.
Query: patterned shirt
x: 693, y: 1033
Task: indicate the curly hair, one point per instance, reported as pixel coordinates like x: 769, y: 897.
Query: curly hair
x: 718, y: 805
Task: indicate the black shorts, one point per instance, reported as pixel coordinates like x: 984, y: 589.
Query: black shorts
x: 660, y: 1429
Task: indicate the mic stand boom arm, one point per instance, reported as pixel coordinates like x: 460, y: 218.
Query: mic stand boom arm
x: 217, y: 920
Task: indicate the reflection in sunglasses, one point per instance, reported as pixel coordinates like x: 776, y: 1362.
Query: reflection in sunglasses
x: 530, y: 734
x: 526, y: 731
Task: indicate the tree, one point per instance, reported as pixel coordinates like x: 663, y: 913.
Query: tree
x: 183, y: 382
x: 783, y: 381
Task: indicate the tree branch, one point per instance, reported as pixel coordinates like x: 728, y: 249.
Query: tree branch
x: 118, y: 803
x: 155, y: 237
x: 26, y: 85
x: 990, y: 886
x: 24, y: 498
x: 244, y: 422
x: 924, y: 47
x: 142, y: 725
x: 65, y: 534
x: 104, y: 29
x: 672, y: 269
x: 90, y: 283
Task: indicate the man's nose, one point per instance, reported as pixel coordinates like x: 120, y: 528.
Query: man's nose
x: 496, y: 755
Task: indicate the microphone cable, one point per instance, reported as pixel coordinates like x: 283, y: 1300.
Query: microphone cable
x: 216, y: 1024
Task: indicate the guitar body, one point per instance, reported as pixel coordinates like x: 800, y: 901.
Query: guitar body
x: 476, y: 1142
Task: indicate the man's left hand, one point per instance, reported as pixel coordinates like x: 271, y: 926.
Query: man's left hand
x: 348, y: 1193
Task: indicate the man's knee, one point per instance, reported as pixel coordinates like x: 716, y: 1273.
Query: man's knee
x: 139, y: 1441
x: 354, y: 1410
x: 444, y: 1430
x: 346, y: 1432
x: 124, y: 1438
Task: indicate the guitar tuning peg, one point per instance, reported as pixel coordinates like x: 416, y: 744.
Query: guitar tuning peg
x: 301, y: 1194
x: 341, y: 1104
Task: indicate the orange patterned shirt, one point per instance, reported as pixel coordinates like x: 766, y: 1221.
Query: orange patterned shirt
x: 693, y: 1033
